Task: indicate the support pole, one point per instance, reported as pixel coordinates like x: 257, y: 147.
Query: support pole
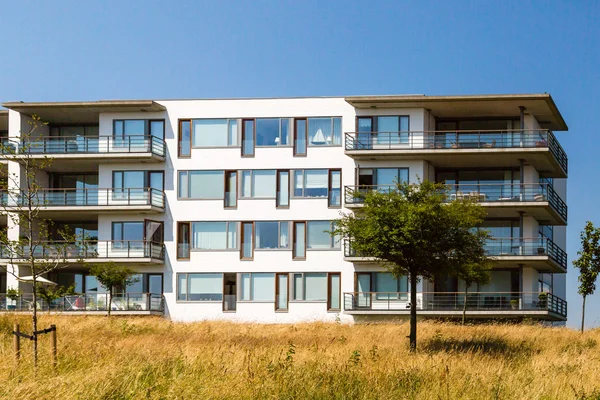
x: 17, y: 342
x: 53, y: 340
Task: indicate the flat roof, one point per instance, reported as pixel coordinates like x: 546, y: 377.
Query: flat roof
x: 542, y: 106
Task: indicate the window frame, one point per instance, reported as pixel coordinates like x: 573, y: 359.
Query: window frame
x: 332, y: 243
x: 179, y: 234
x: 332, y: 132
x: 278, y: 188
x: 279, y: 248
x: 227, y: 174
x: 330, y: 188
x: 242, y: 237
x: 189, y: 186
x: 329, y: 291
x: 180, y: 141
x: 280, y: 119
x: 295, y: 240
x: 227, y: 244
x: 278, y: 291
x: 303, y: 196
x: 252, y: 197
x: 292, y: 291
x: 228, y: 146
x: 295, y: 137
x: 187, y: 287
x: 253, y: 153
x: 251, y: 290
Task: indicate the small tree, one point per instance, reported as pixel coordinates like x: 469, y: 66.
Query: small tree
x: 588, y: 264
x: 110, y: 275
x: 50, y: 294
x: 472, y: 274
x: 415, y: 232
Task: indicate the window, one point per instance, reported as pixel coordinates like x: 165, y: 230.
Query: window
x: 281, y: 292
x: 283, y: 189
x: 546, y: 231
x: 390, y: 287
x: 271, y: 235
x: 299, y: 250
x: 325, y: 131
x: 334, y: 292
x: 545, y: 282
x: 214, y: 235
x: 214, y: 133
x: 392, y: 130
x: 185, y: 139
x: 259, y: 184
x: 248, y: 138
x: 183, y: 240
x: 319, y: 237
x: 129, y: 179
x: 310, y: 183
x: 335, y: 188
x: 272, y: 131
x: 230, y: 189
x: 247, y: 249
x: 201, y: 184
x: 310, y: 286
x: 123, y: 231
x: 133, y: 130
x: 300, y: 137
x: 257, y: 287
x: 200, y: 287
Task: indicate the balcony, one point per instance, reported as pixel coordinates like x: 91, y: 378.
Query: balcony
x: 450, y: 305
x: 539, y: 253
x: 89, y: 251
x: 501, y: 200
x: 84, y: 150
x: 464, y: 149
x: 89, y: 303
x: 74, y: 201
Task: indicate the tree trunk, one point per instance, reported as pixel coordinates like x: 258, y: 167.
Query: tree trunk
x: 413, y: 311
x: 109, y: 305
x: 464, y: 316
x: 583, y: 314
x: 34, y: 326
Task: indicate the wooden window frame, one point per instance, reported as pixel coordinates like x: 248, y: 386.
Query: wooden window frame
x: 294, y: 240
x: 242, y: 237
x: 329, y: 275
x: 278, y: 188
x: 277, y: 290
x: 296, y: 154
x: 226, y: 174
x: 179, y: 139
x: 244, y: 120
x: 329, y: 187
x: 189, y: 225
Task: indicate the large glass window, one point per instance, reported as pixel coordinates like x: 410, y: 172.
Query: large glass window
x: 183, y: 240
x: 334, y: 301
x: 259, y: 183
x: 248, y: 138
x: 299, y: 250
x: 310, y: 286
x: 258, y: 287
x: 389, y: 287
x: 283, y: 189
x: 300, y: 137
x: 311, y: 183
x: 122, y: 231
x: 272, y: 131
x: 319, y: 237
x: 272, y: 235
x: 200, y: 287
x: 214, y: 235
x: 201, y: 184
x: 392, y: 130
x: 247, y: 250
x: 325, y: 131
x: 185, y: 139
x: 214, y: 132
x: 335, y: 188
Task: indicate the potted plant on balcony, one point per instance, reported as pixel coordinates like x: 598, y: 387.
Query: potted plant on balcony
x: 542, y: 300
x: 514, y: 304
x: 13, y: 295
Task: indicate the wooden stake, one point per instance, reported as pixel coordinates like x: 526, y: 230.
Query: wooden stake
x: 17, y: 342
x: 53, y: 340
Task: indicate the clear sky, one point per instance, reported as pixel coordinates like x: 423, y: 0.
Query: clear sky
x: 83, y: 50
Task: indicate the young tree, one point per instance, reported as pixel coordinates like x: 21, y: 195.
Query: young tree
x: 415, y: 232
x: 588, y: 264
x: 49, y: 293
x: 36, y: 247
x: 110, y: 275
x: 477, y: 273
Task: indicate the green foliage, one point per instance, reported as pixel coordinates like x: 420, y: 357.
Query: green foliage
x: 588, y: 262
x: 13, y: 293
x: 49, y: 294
x: 413, y: 230
x: 110, y: 274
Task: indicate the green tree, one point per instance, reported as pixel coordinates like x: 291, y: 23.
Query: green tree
x: 473, y: 273
x: 588, y: 264
x: 415, y: 231
x: 111, y: 275
x: 49, y: 293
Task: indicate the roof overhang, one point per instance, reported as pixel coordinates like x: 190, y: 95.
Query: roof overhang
x: 542, y: 106
x: 82, y: 112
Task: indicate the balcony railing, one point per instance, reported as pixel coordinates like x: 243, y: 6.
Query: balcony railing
x: 483, y: 193
x: 86, y: 197
x: 88, y: 249
x: 497, y: 247
x: 446, y: 301
x: 132, y: 302
x: 55, y: 145
x: 467, y: 139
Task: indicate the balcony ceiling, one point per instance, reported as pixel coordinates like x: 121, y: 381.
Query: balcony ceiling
x: 81, y: 112
x: 3, y: 120
x: 542, y: 106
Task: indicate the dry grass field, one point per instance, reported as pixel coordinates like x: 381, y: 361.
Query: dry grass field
x: 151, y: 358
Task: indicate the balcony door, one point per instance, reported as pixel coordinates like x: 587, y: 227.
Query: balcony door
x: 364, y: 134
x: 363, y: 290
x: 154, y: 238
x: 229, y: 292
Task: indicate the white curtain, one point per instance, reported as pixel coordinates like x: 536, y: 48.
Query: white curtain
x: 205, y: 283
x: 315, y: 179
x: 209, y: 132
x: 206, y: 184
x: 317, y: 237
x: 315, y: 286
x: 263, y: 287
x: 209, y: 235
x: 319, y: 131
x: 264, y: 183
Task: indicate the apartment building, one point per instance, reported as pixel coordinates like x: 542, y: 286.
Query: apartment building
x: 222, y: 205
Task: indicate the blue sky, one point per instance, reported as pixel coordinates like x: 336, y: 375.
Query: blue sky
x: 83, y: 50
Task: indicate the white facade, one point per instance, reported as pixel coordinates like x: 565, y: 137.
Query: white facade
x: 324, y: 156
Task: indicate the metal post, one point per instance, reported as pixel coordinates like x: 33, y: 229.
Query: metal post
x: 53, y: 340
x: 522, y: 124
x: 17, y: 342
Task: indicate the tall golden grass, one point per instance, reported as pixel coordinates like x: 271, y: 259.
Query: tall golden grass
x: 152, y: 358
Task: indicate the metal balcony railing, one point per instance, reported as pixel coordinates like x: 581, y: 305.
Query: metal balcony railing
x: 132, y: 302
x: 466, y: 139
x: 447, y: 301
x: 497, y: 247
x: 85, y: 197
x: 88, y: 249
x: 482, y: 193
x: 54, y: 145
